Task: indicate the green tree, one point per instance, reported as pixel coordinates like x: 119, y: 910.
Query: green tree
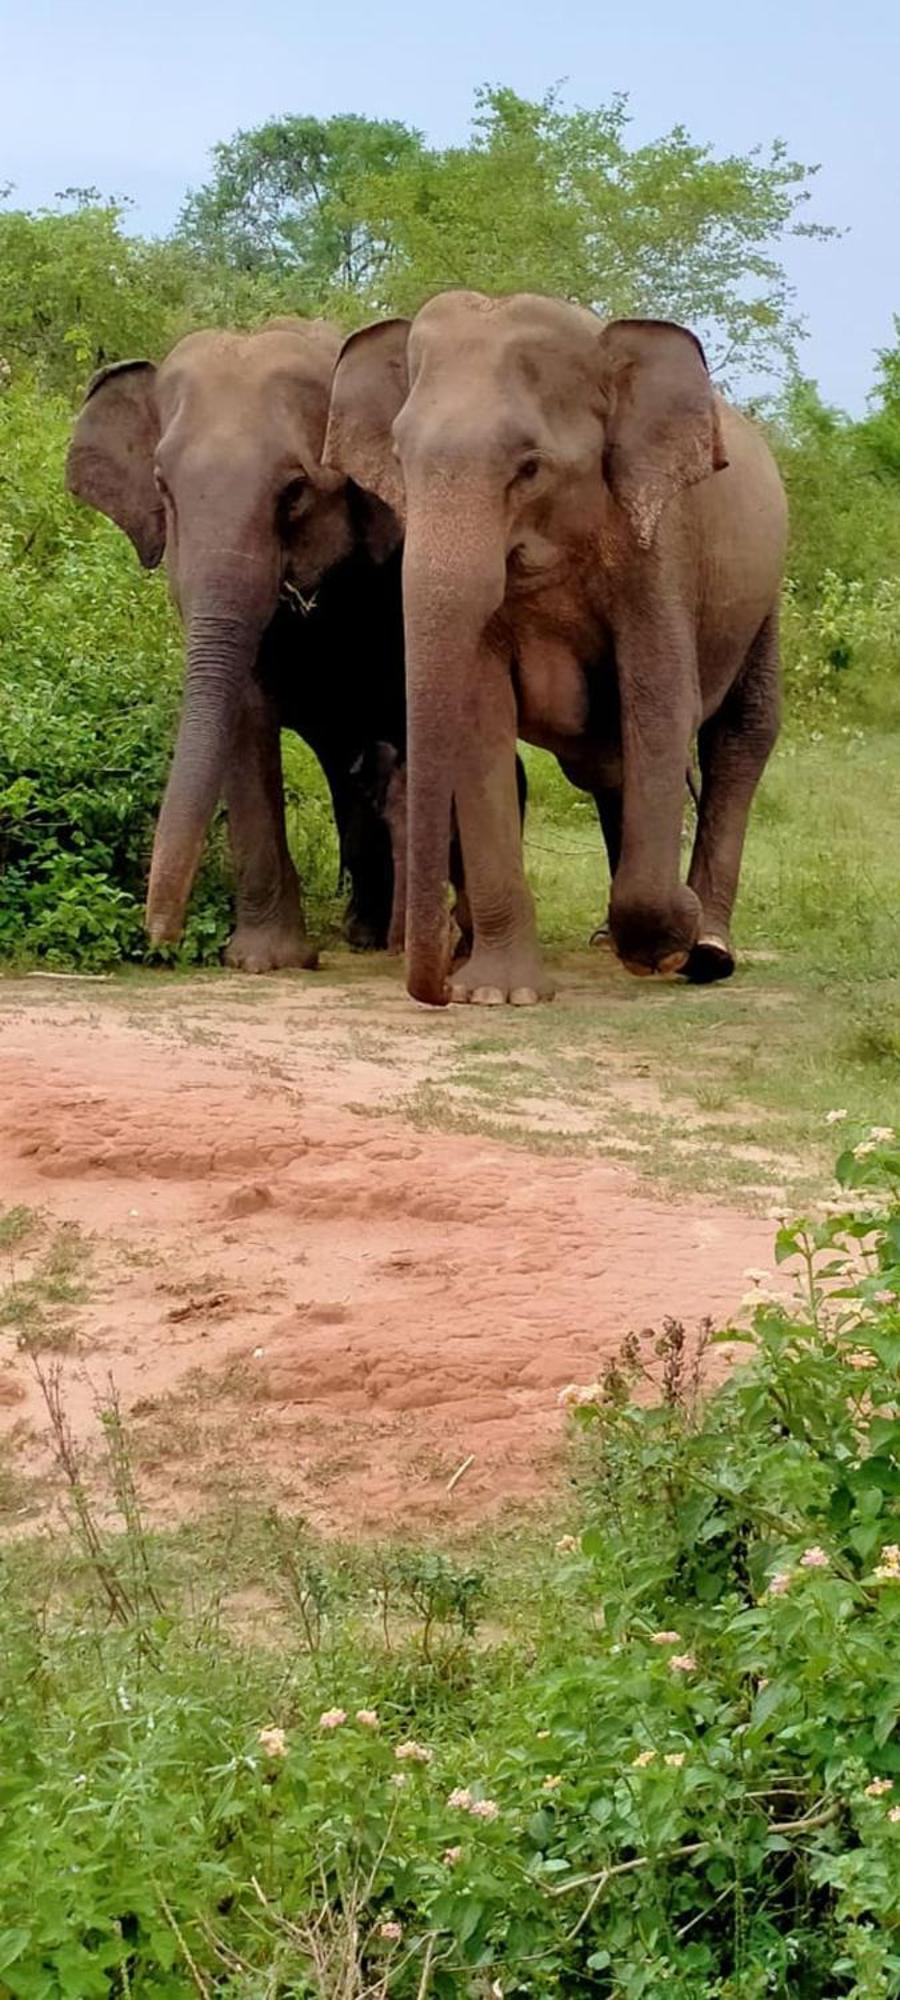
x: 559, y: 201
x: 280, y: 195
x: 76, y: 290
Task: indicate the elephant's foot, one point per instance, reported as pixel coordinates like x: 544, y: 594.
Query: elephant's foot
x: 652, y: 936
x: 363, y: 935
x: 711, y: 958
x: 270, y: 948
x: 498, y: 976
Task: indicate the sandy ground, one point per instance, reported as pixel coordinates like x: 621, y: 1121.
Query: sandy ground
x: 299, y: 1300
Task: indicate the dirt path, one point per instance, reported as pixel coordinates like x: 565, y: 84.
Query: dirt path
x: 299, y: 1300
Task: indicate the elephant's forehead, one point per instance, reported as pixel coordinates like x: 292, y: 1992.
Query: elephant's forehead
x: 499, y: 332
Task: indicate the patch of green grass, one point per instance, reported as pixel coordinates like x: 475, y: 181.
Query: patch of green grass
x: 34, y: 1306
x: 16, y: 1224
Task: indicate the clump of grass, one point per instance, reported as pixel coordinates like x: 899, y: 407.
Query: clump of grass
x: 34, y: 1305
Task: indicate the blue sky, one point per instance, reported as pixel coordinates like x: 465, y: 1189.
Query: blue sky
x: 130, y: 98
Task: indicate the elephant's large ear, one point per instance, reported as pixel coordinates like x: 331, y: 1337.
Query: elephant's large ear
x: 664, y: 430
x: 369, y: 388
x: 110, y: 461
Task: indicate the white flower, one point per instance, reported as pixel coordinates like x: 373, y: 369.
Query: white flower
x: 888, y: 1570
x: 814, y: 1558
x: 665, y: 1638
x: 273, y: 1742
x: 462, y: 1798
x: 568, y: 1396
x: 567, y: 1545
x: 861, y: 1358
x: 391, y: 1931
x: 884, y: 1298
x: 894, y: 1815
x: 331, y: 1718
x: 883, y: 1135
x: 643, y: 1758
x: 367, y: 1718
x: 399, y: 1779
x: 552, y: 1783
x: 757, y: 1277
x: 541, y: 1735
x: 675, y: 1759
x: 484, y: 1809
x: 413, y: 1753
x: 682, y: 1663
x: 450, y: 1856
x: 835, y: 1117
x: 878, y: 1787
x: 864, y: 1149
x: 780, y: 1583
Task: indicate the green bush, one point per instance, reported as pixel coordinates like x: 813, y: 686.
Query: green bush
x: 678, y: 1770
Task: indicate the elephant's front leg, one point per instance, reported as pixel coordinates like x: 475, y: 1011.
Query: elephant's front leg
x: 653, y: 917
x: 269, y: 930
x: 505, y: 961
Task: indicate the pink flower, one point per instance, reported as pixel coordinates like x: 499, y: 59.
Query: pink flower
x: 399, y: 1779
x: 882, y: 1134
x: 462, y: 1798
x: 884, y: 1298
x: 682, y: 1663
x: 274, y: 1742
x: 450, y: 1856
x: 814, y: 1558
x: 780, y: 1583
x: 331, y: 1718
x: 484, y: 1809
x: 413, y: 1753
x: 367, y: 1718
x: 665, y: 1638
x: 392, y: 1932
x: 878, y: 1788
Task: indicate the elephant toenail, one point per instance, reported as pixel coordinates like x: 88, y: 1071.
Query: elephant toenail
x: 674, y: 962
x: 488, y: 996
x: 523, y: 996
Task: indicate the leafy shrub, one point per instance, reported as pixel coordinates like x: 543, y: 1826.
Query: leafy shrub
x: 680, y: 1771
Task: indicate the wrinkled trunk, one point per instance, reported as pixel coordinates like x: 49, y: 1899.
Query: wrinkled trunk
x: 221, y: 653
x: 453, y: 580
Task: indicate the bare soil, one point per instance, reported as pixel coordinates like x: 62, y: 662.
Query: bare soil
x: 301, y: 1298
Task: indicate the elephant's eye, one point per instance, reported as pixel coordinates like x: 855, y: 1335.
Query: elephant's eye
x: 160, y: 484
x: 294, y: 497
x: 529, y: 469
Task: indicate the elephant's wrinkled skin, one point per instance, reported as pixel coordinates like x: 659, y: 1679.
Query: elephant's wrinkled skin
x: 594, y: 547
x: 288, y: 583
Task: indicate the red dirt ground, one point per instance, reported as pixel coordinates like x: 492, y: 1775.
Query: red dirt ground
x: 299, y: 1301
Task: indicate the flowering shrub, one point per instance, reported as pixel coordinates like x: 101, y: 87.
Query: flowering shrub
x: 678, y: 1769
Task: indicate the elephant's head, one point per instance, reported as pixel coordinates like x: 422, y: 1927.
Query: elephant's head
x: 517, y: 438
x: 214, y: 459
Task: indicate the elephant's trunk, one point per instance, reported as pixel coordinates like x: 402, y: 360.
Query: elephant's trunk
x: 453, y: 580
x: 221, y: 652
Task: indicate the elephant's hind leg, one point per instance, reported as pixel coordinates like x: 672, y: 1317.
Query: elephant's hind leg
x: 734, y: 747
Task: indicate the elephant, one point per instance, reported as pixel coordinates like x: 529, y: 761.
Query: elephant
x: 287, y: 580
x: 594, y: 545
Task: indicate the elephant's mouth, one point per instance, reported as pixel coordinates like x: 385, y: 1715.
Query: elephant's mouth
x: 529, y: 570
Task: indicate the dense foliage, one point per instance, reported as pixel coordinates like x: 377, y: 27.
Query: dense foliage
x: 669, y: 1762
x: 354, y: 216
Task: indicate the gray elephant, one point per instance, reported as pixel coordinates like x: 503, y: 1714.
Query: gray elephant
x: 287, y: 580
x: 594, y: 549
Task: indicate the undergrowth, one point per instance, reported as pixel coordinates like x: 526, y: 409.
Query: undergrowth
x: 657, y: 1755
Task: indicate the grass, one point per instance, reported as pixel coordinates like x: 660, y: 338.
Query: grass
x: 32, y: 1306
